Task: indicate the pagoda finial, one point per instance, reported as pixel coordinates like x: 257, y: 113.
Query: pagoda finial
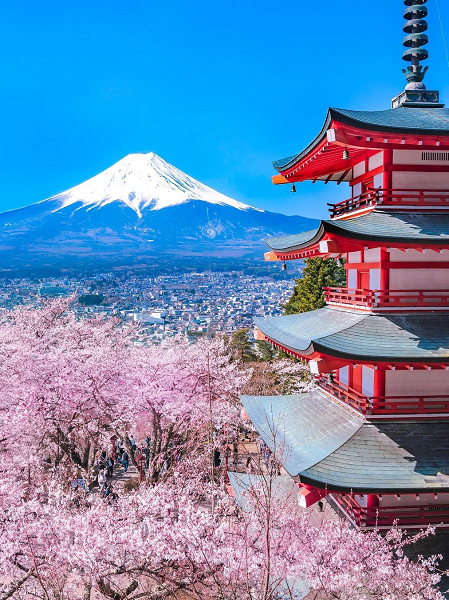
x: 414, y: 42
x: 415, y: 94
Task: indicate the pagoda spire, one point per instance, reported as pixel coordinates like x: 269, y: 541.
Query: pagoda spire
x: 414, y: 41
x: 416, y: 94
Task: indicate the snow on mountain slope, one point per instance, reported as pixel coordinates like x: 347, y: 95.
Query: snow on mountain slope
x: 142, y: 181
x: 138, y: 209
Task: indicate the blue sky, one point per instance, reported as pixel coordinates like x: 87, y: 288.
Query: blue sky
x: 219, y: 89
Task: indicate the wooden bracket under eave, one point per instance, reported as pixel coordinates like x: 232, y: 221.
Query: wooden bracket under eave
x: 270, y: 256
x: 258, y: 335
x: 278, y: 179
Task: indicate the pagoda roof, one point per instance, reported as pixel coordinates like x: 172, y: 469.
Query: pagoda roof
x: 393, y: 123
x: 320, y: 427
x: 352, y: 335
x: 376, y: 226
x: 379, y: 457
x: 284, y: 487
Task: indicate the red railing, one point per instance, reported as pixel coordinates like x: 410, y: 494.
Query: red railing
x: 392, y: 198
x: 381, y: 516
x: 388, y: 298
x: 385, y: 405
x: 344, y: 393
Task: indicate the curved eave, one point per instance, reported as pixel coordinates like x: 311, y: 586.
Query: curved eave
x: 364, y: 489
x: 353, y: 336
x: 343, y: 117
x: 331, y: 447
x: 309, y: 424
x: 291, y: 243
x: 411, y: 123
x: 316, y: 350
x: 338, y: 228
x: 383, y: 227
x: 284, y: 164
x: 388, y: 457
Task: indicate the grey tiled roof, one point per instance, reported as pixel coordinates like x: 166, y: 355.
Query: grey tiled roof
x: 287, y: 242
x: 379, y: 456
x: 385, y: 456
x: 283, y: 487
x: 353, y: 335
x: 401, y: 227
x: 428, y: 121
x: 319, y: 428
x: 378, y: 225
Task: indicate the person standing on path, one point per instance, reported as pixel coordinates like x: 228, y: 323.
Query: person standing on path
x: 101, y: 478
x: 110, y: 463
x: 125, y: 460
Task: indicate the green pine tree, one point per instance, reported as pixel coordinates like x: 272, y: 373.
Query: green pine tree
x: 266, y: 352
x: 241, y: 346
x: 308, y: 291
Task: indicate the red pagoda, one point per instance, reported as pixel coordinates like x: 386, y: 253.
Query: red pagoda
x: 373, y: 436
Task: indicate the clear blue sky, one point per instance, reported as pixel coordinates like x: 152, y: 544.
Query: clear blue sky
x: 217, y: 88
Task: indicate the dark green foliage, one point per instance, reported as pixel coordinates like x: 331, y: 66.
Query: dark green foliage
x: 308, y: 292
x: 266, y: 352
x: 241, y: 346
x: 91, y: 299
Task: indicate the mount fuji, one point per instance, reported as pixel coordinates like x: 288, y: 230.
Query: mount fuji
x: 140, y: 208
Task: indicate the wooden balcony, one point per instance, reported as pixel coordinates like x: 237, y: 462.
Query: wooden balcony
x: 386, y: 516
x: 384, y: 405
x: 392, y: 199
x: 388, y: 299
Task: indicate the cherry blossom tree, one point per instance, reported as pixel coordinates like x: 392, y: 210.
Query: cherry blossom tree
x: 69, y: 386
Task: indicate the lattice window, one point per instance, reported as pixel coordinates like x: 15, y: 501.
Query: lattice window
x: 435, y: 156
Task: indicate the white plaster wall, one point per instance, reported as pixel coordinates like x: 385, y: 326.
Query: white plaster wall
x: 411, y: 255
x: 359, y: 169
x: 378, y: 180
x: 354, y: 257
x: 372, y: 255
x: 357, y: 189
x: 419, y: 279
x: 410, y: 500
x: 409, y: 180
x: 361, y: 500
x: 367, y: 380
x: 352, y: 279
x: 416, y: 383
x: 376, y: 161
x: 414, y: 157
x: 374, y: 279
x: 343, y: 375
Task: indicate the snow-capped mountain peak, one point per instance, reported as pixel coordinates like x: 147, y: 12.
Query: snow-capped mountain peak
x: 116, y: 218
x: 142, y: 182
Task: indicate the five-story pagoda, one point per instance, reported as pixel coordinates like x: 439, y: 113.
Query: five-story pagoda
x: 373, y: 437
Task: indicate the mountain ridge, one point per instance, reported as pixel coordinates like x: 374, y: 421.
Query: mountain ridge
x: 139, y: 208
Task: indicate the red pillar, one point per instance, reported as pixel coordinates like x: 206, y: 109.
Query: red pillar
x: 372, y: 504
x: 378, y: 388
x: 388, y: 164
x: 379, y: 382
x: 372, y: 501
x: 384, y: 270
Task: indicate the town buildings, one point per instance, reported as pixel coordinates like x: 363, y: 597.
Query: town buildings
x: 373, y: 438
x: 161, y: 306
